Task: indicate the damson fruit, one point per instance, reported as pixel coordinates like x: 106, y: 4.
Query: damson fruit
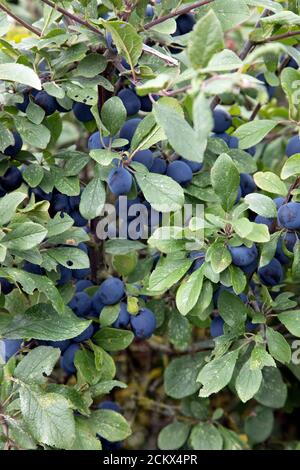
x: 111, y: 291
x: 128, y: 130
x: 247, y: 184
x: 159, y: 166
x: 289, y: 215
x: 81, y: 304
x: 194, y: 166
x: 145, y: 157
x: 260, y: 219
x: 12, y: 179
x: 82, y: 112
x: 109, y: 405
x: 119, y: 181
x: 242, y: 255
x: 67, y: 359
x: 8, y: 348
x: 270, y: 89
x: 123, y: 317
x: 288, y: 240
x: 15, y: 148
x: 143, y: 324
x: 185, y: 23
x: 271, y: 274
x: 85, y: 335
x: 5, y: 286
x: 82, y: 285
x: 95, y: 142
x: 222, y: 120
x: 293, y: 146
x: 46, y: 102
x: 130, y: 100
x: 230, y: 140
x: 217, y: 327
x: 180, y: 172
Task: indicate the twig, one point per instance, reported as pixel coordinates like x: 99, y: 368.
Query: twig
x: 179, y: 11
x: 292, y: 187
x: 20, y: 21
x: 278, y: 37
x: 78, y: 19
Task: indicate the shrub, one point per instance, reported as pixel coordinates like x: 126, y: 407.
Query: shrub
x: 149, y: 222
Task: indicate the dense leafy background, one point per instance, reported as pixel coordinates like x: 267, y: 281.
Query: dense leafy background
x: 219, y: 371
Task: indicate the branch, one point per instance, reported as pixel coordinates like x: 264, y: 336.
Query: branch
x: 292, y: 187
x: 77, y: 19
x: 177, y: 12
x: 20, y: 21
x: 278, y: 37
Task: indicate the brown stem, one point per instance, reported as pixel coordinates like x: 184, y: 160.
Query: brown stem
x: 179, y: 11
x: 278, y: 37
x: 292, y: 187
x: 73, y: 17
x: 20, y: 21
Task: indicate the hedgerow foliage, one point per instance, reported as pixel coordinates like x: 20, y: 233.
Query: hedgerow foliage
x: 171, y: 104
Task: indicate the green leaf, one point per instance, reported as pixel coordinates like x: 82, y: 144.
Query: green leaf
x: 289, y: 79
x: 179, y: 331
x: 225, y: 60
x: 33, y: 175
x: 268, y: 181
x: 261, y: 204
x: 103, y: 156
x: 231, y: 308
x: 189, y: 291
x: 248, y: 382
x: 273, y: 391
x: 8, y: 206
x: 181, y: 136
x: 35, y: 113
x: 4, y: 24
x: 163, y: 193
x: 21, y: 74
x: 39, y: 361
x: 30, y: 282
x: 259, y: 424
x: 109, y: 314
x: 69, y: 257
x: 92, y: 199
x: 253, y: 132
x: 217, y: 374
x: 6, y: 137
x: 33, y: 134
x: 43, y: 322
x: 205, y: 436
x: 122, y: 247
x: 93, y: 64
x: 102, y: 388
x: 173, y: 436
x: 278, y: 346
x: 110, y: 425
x: 291, y: 320
x: 59, y: 224
x: 220, y: 257
x: 206, y: 39
x: 48, y: 416
x: 85, y: 439
x: 260, y: 358
x: 113, y: 114
x: 225, y: 180
x: 169, y: 271
x: 85, y: 365
x: 24, y: 236
x: 128, y: 42
x: 181, y: 374
x: 113, y: 339
x: 291, y: 167
x: 230, y: 13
